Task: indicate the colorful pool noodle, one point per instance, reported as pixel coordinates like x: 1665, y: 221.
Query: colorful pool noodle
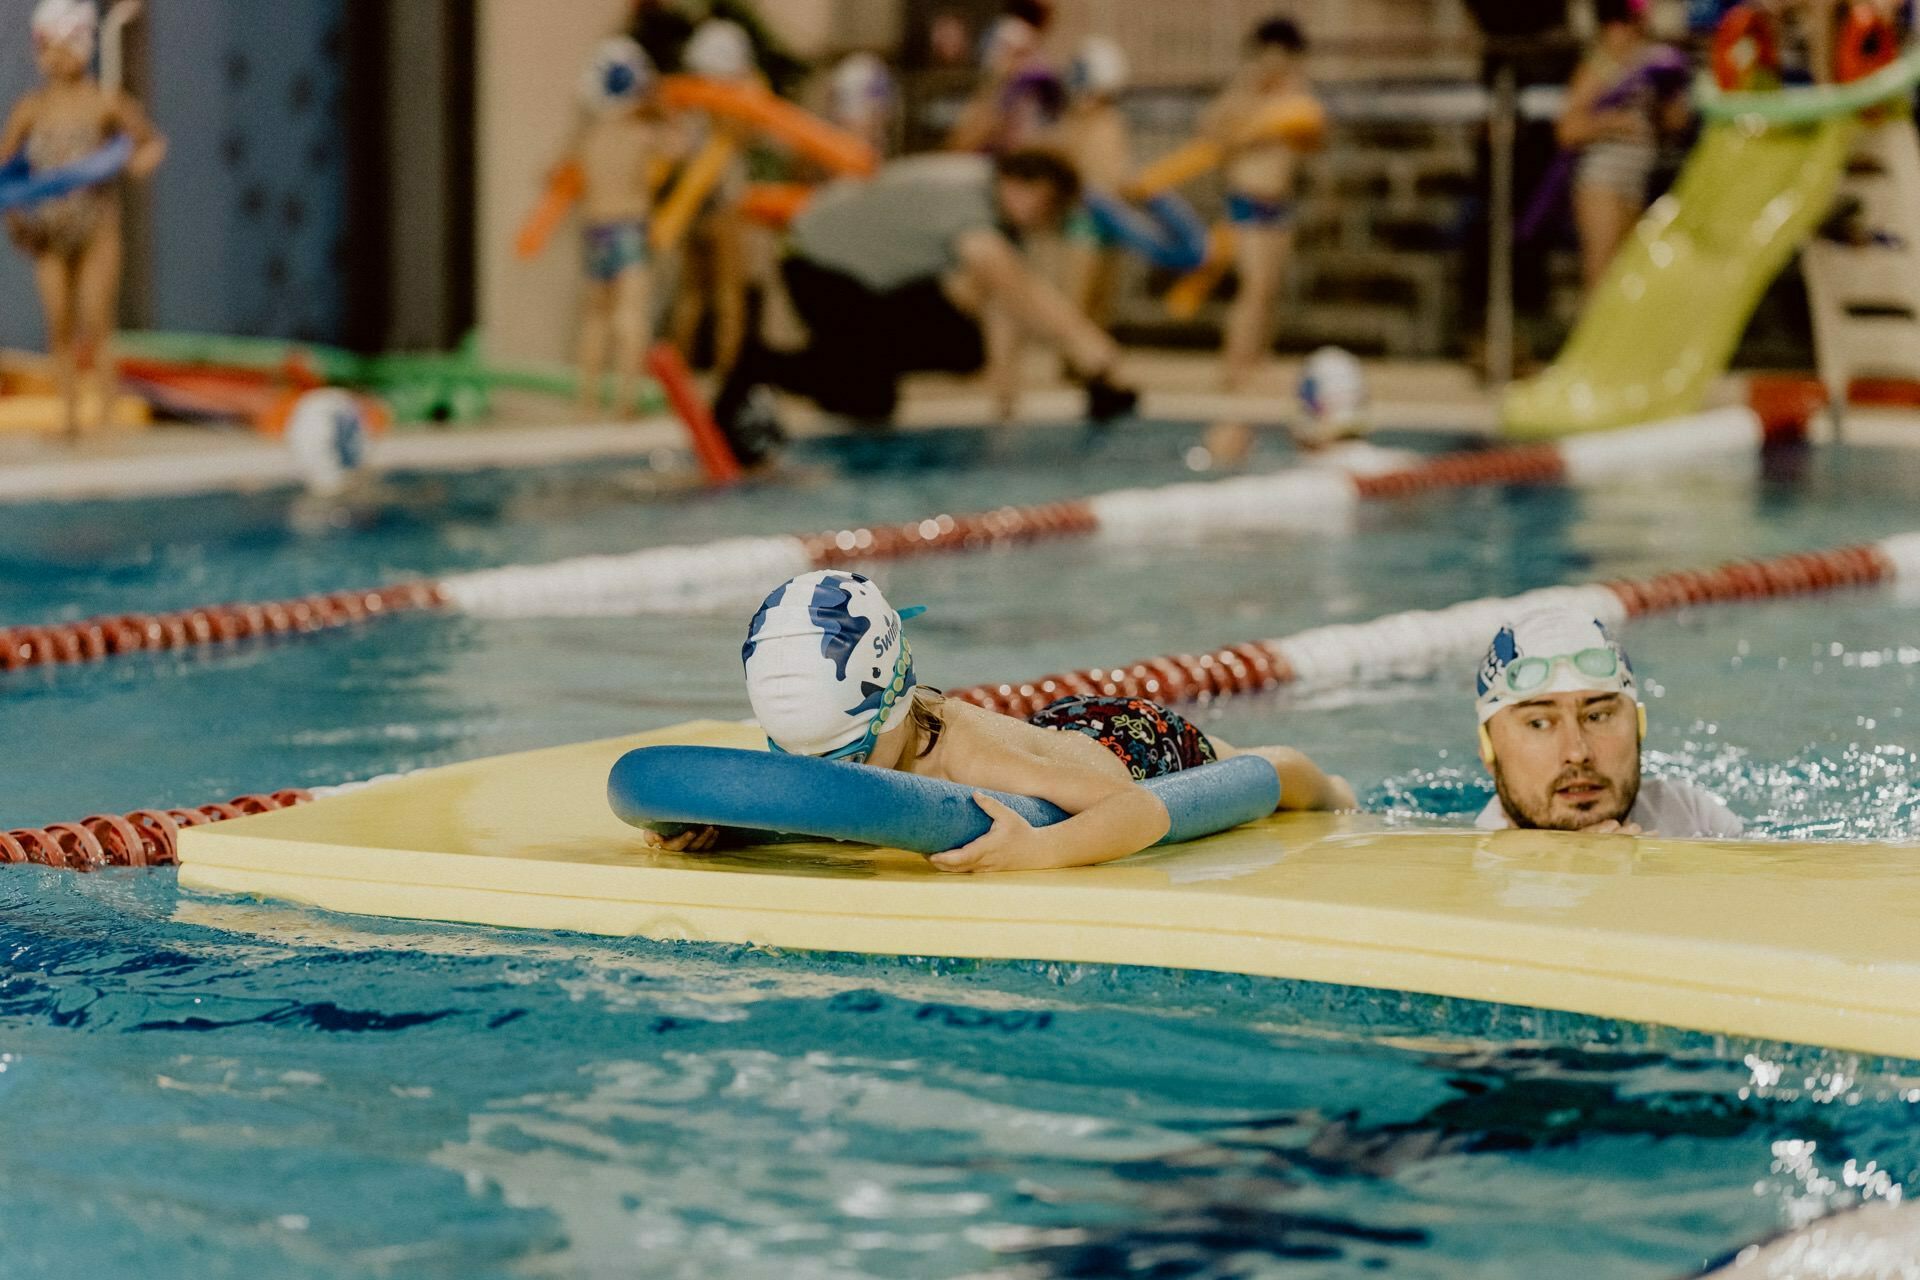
x: 1300, y: 121
x: 21, y: 186
x: 703, y: 173
x: 562, y: 190
x: 710, y: 445
x: 1167, y: 233
x: 1191, y: 291
x: 756, y: 795
x: 775, y: 204
x: 761, y: 109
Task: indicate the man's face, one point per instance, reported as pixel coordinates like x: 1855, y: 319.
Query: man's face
x: 1567, y: 761
x: 1029, y: 206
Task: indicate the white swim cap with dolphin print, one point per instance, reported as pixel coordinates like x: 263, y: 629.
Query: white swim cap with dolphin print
x: 828, y: 666
x: 1550, y: 651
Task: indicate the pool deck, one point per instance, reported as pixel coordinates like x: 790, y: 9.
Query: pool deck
x: 529, y: 430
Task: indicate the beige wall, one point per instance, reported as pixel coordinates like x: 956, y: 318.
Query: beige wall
x: 530, y: 54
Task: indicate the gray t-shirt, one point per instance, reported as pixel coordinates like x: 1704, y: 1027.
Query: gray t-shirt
x: 1665, y: 807
x: 901, y: 225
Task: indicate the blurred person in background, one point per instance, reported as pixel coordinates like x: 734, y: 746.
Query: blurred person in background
x: 1619, y: 106
x: 75, y: 239
x: 713, y: 279
x: 1020, y: 97
x: 891, y: 275
x: 1260, y: 171
x: 1095, y: 136
x: 623, y: 152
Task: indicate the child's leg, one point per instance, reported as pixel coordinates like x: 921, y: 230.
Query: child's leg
x: 1262, y: 263
x: 1303, y: 784
x: 631, y: 321
x: 53, y: 275
x: 691, y: 290
x: 96, y: 303
x: 595, y: 333
x: 1604, y: 218
x: 727, y: 249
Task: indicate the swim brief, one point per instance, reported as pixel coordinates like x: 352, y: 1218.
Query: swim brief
x: 612, y: 247
x: 1258, y: 211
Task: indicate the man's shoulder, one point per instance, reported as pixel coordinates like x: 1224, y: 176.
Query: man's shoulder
x: 1682, y: 809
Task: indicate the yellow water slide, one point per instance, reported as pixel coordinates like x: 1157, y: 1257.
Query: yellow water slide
x: 1664, y: 322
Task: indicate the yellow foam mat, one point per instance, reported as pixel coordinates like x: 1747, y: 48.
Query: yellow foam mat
x: 1816, y: 943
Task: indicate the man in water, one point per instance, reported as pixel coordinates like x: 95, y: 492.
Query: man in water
x: 891, y: 275
x: 1560, y: 731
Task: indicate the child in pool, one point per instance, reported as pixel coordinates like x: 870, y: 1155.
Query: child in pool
x: 622, y: 152
x: 74, y: 239
x: 830, y: 674
x: 1259, y: 173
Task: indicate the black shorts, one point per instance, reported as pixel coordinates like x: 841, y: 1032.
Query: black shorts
x: 863, y: 340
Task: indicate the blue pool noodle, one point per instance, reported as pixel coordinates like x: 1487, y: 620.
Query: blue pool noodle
x: 21, y: 186
x: 1169, y: 233
x: 668, y: 789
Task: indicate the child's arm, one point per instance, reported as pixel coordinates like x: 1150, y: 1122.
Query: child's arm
x: 1111, y: 818
x: 18, y: 125
x: 149, y: 144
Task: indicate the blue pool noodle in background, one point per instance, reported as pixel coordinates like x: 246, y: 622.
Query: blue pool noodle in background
x: 774, y: 797
x: 1168, y: 233
x: 21, y: 186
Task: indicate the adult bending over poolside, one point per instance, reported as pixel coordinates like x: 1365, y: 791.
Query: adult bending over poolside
x: 890, y: 276
x: 1560, y: 731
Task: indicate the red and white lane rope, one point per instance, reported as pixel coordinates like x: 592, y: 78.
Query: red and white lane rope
x: 693, y: 578
x: 1424, y: 643
x: 1310, y: 499
x: 1399, y: 646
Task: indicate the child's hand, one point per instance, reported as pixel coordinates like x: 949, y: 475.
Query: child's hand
x: 693, y: 840
x: 1009, y: 844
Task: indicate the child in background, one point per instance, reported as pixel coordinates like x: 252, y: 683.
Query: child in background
x: 713, y: 260
x: 830, y: 674
x: 622, y: 153
x: 1259, y: 172
x: 862, y: 98
x: 1615, y: 115
x: 1020, y: 97
x: 75, y: 239
x: 1095, y: 136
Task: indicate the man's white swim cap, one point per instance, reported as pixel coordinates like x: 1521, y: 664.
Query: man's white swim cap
x: 1100, y: 67
x: 720, y: 50
x: 1550, y: 651
x: 73, y: 23
x: 620, y: 73
x: 827, y: 663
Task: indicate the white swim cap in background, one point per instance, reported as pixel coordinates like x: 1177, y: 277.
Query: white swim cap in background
x: 1006, y: 42
x: 328, y: 437
x: 1550, y: 651
x: 73, y: 23
x: 828, y: 666
x: 1333, y: 394
x: 1099, y: 68
x: 720, y: 50
x: 620, y: 73
x: 860, y: 85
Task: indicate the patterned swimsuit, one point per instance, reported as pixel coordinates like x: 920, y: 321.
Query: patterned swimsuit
x: 1149, y: 739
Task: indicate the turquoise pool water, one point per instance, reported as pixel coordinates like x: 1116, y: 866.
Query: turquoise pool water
x: 201, y: 1088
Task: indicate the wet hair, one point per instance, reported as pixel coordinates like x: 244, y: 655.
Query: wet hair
x: 1039, y: 164
x: 1279, y: 33
x: 924, y: 714
x: 1037, y: 14
x: 1615, y: 12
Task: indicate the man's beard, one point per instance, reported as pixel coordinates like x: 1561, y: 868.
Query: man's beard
x: 1541, y: 818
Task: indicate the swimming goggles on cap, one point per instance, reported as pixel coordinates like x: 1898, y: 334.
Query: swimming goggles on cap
x: 857, y: 751
x: 1524, y: 675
